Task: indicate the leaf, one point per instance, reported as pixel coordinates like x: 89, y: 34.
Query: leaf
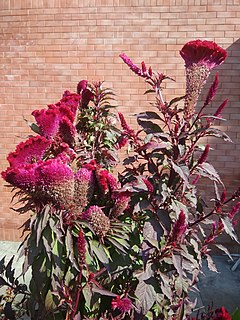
x: 211, y: 264
x: 149, y: 126
x: 3, y: 282
x: 207, y: 170
x: 103, y: 291
x: 2, y: 265
x: 175, y: 100
x: 116, y: 244
x: 224, y: 249
x: 70, y: 249
x: 177, y: 262
x: 146, y: 296
x: 99, y: 251
x: 236, y: 315
x: 49, y: 302
x: 228, y: 227
x: 218, y: 133
x: 9, y: 272
x: 148, y: 115
x: 182, y: 170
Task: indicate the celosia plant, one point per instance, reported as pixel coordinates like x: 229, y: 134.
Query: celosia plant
x: 128, y: 248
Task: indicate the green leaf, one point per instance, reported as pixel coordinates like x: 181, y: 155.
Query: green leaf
x: 49, y: 302
x: 236, y: 315
x: 146, y: 296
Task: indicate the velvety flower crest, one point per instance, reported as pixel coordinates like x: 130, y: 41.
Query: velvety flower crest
x: 203, y: 52
x: 121, y: 203
x: 30, y: 151
x: 222, y: 314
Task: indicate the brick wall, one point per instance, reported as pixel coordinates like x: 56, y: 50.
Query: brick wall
x: 47, y: 46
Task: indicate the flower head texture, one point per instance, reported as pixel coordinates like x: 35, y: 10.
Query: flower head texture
x: 83, y: 188
x: 98, y: 220
x: 82, y: 85
x: 179, y: 227
x: 56, y: 181
x: 47, y: 121
x: 123, y: 305
x: 200, y: 58
x: 121, y: 203
x: 30, y: 151
x: 141, y: 72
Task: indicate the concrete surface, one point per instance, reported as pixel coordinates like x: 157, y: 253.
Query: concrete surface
x: 221, y: 289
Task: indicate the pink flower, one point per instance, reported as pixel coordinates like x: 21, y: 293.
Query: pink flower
x: 179, y: 227
x: 67, y: 130
x: 220, y: 108
x: 87, y: 96
x: 222, y: 314
x: 212, y: 91
x: 82, y: 85
x: 83, y: 188
x: 99, y: 222
x: 204, y: 52
x: 81, y: 246
x: 142, y: 72
x: 149, y: 185
x: 123, y: 305
x: 106, y: 180
x: 47, y: 121
x: 121, y: 203
x: 30, y: 151
x: 200, y: 57
x: 71, y: 100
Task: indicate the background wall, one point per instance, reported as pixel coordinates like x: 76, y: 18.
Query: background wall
x: 47, y: 46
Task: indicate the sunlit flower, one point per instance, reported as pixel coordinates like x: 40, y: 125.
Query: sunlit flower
x: 142, y: 72
x: 105, y: 180
x: 179, y: 227
x: 56, y: 181
x: 123, y: 305
x: 30, y: 151
x: 200, y: 57
x: 222, y: 314
x: 121, y: 203
x: 82, y: 85
x: 47, y: 121
x: 83, y: 188
x: 97, y: 220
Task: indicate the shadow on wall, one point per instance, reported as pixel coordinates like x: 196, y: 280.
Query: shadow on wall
x: 225, y: 156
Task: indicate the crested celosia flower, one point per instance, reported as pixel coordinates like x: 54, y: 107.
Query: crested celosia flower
x: 67, y: 130
x: 122, y: 304
x: 47, y: 121
x: 121, y: 203
x: 82, y: 85
x: 30, y: 151
x: 200, y: 57
x: 71, y: 100
x: 83, y: 188
x: 97, y: 220
x: 56, y: 181
x: 22, y: 177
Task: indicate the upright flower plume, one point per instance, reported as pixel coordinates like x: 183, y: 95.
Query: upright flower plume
x: 98, y: 220
x: 141, y: 72
x: 83, y: 188
x: 200, y: 58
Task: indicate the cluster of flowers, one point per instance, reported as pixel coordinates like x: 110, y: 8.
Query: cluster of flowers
x: 47, y: 168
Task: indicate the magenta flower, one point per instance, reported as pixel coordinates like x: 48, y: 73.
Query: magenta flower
x: 97, y: 220
x: 179, y: 227
x: 204, y: 155
x: 222, y: 314
x: 220, y: 108
x: 67, y: 130
x: 123, y: 305
x: 81, y: 246
x: 106, y: 181
x: 82, y: 85
x: 55, y: 179
x: 30, y: 151
x: 200, y: 58
x: 47, y: 121
x: 22, y: 177
x: 121, y: 204
x: 71, y: 100
x: 83, y: 188
x: 142, y: 72
x: 205, y: 52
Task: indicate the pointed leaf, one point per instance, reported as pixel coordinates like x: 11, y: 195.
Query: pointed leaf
x: 146, y: 296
